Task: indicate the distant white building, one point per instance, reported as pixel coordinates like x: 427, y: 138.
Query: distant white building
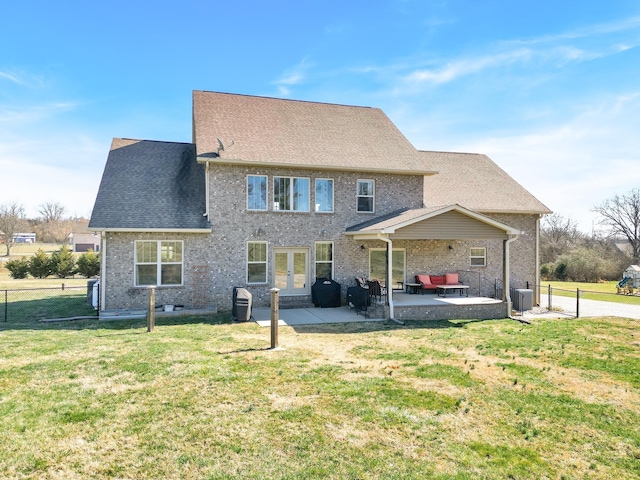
x: 24, y: 238
x: 84, y: 240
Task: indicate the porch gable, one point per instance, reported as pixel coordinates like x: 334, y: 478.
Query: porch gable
x: 446, y: 223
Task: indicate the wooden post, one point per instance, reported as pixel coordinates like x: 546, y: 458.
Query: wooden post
x: 577, y: 303
x: 274, y: 317
x: 151, y: 310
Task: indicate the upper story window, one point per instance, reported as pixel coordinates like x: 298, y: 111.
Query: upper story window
x: 256, y: 192
x: 158, y: 262
x: 324, y: 195
x: 291, y: 194
x: 366, y: 196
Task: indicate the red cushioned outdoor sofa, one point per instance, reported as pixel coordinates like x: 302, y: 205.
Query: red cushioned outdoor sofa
x: 432, y: 282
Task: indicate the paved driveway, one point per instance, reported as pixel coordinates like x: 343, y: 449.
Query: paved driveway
x: 593, y: 308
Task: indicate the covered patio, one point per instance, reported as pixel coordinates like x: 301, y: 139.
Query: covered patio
x: 449, y: 224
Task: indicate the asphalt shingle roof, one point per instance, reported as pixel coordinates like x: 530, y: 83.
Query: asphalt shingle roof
x: 261, y: 130
x: 476, y: 182
x: 151, y: 185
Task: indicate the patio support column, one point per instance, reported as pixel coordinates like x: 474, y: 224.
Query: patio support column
x: 389, y: 273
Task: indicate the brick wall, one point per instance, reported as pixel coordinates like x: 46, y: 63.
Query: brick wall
x: 224, y: 250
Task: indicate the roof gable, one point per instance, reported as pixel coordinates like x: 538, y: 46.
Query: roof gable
x: 477, y: 183
x: 149, y: 185
x: 434, y: 223
x: 271, y: 131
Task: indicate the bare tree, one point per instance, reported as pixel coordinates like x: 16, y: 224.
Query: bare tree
x: 11, y: 221
x: 622, y: 215
x: 51, y: 212
x: 53, y: 225
x: 558, y: 235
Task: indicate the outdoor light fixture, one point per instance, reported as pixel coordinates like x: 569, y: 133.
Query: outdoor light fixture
x: 361, y: 247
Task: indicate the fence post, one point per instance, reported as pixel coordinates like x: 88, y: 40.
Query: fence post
x: 549, y: 298
x: 63, y: 287
x: 577, y: 303
x: 151, y: 312
x: 274, y: 317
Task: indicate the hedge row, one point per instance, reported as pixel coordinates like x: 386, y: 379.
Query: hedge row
x: 61, y: 263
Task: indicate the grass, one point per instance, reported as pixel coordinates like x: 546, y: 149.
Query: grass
x: 34, y: 298
x: 604, y: 291
x: 204, y: 398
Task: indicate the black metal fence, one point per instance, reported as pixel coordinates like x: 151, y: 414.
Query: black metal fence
x: 579, y: 302
x: 35, y: 304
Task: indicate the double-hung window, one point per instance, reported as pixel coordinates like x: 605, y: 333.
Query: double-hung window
x: 257, y: 262
x: 478, y: 257
x: 291, y: 194
x: 158, y: 262
x: 324, y: 259
x: 324, y: 195
x: 256, y: 192
x: 366, y: 196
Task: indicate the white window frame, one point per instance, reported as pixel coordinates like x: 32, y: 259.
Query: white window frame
x: 330, y: 262
x: 258, y: 262
x: 276, y: 205
x: 317, y: 205
x: 372, y: 196
x: 159, y: 263
x: 266, y: 197
x: 476, y: 256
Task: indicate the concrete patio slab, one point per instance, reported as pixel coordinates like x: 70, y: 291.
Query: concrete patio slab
x: 310, y: 316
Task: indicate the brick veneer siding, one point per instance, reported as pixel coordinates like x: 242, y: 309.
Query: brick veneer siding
x: 450, y: 312
x: 118, y: 274
x: 224, y: 250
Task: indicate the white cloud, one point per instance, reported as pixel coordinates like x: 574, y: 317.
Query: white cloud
x: 67, y: 172
x: 9, y: 76
x: 571, y: 167
x: 295, y: 75
x: 466, y: 66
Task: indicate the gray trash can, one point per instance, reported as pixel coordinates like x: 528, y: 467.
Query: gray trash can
x: 241, y: 308
x: 523, y: 299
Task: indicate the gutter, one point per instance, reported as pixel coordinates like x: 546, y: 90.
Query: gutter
x: 342, y: 168
x: 152, y: 230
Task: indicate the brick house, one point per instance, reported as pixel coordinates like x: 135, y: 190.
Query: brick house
x: 276, y: 192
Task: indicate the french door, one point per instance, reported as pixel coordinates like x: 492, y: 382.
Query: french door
x: 291, y: 271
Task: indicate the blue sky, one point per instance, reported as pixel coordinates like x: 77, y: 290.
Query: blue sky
x: 550, y: 90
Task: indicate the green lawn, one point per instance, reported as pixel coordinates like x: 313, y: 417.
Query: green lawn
x: 201, y: 398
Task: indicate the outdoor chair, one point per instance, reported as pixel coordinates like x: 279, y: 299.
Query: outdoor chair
x: 376, y: 290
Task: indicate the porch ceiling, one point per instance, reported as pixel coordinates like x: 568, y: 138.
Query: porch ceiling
x: 452, y: 222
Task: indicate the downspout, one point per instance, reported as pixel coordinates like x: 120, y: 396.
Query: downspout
x: 103, y: 270
x: 206, y: 190
x: 506, y: 286
x: 537, y: 275
x: 389, y: 243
